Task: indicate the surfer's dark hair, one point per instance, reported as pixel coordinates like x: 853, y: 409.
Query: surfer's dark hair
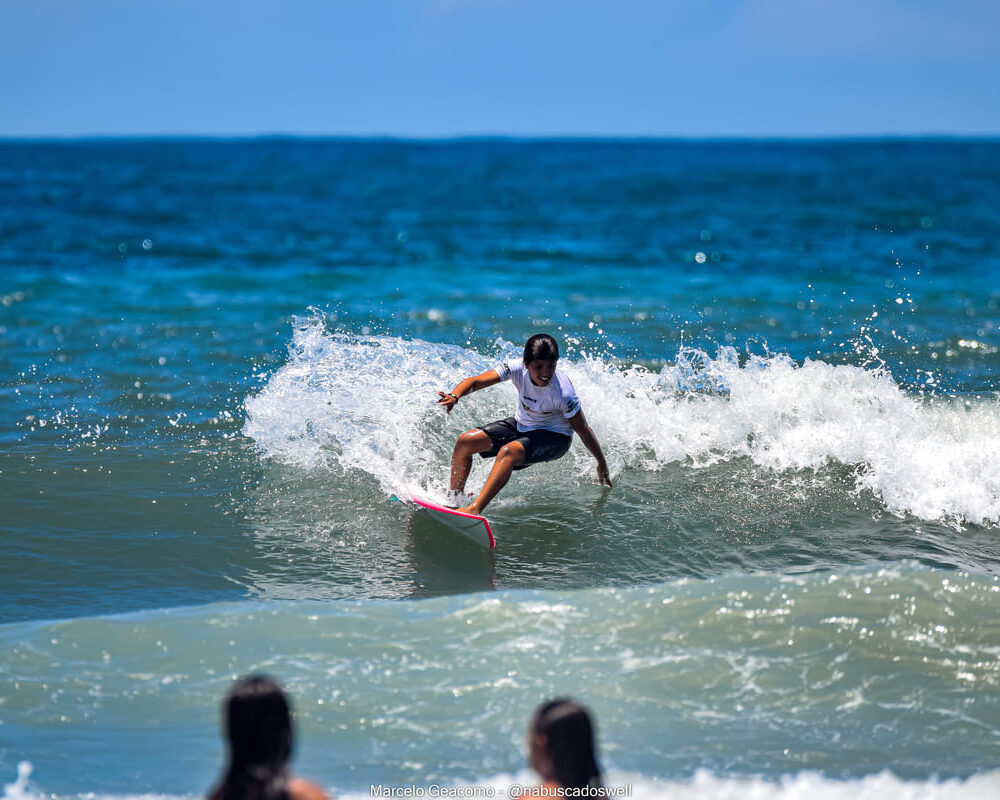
x: 541, y: 347
x: 569, y: 742
x: 258, y: 729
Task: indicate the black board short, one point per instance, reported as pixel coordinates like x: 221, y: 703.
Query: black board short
x: 539, y: 445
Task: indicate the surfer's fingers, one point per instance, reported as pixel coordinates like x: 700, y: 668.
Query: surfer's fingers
x: 446, y: 400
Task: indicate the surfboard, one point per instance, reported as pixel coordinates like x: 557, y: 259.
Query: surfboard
x: 470, y: 525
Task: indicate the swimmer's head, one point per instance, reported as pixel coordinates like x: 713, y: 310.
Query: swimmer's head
x: 258, y: 724
x: 561, y: 744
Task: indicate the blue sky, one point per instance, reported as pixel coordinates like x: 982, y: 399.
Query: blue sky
x: 514, y: 67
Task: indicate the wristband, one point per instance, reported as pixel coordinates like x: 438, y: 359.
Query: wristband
x: 451, y: 394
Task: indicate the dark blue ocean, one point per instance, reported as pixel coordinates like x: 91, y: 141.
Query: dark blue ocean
x: 218, y: 367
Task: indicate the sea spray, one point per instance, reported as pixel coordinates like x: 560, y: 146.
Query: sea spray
x: 19, y: 789
x: 367, y: 403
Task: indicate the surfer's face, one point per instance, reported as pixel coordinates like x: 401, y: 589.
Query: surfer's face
x: 541, y: 371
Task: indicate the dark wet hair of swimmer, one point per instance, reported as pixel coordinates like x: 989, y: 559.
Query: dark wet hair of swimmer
x: 561, y: 744
x: 257, y: 724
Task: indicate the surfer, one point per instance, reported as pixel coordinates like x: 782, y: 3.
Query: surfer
x: 258, y: 727
x: 548, y: 413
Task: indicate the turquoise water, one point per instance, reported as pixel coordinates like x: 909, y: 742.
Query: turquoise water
x: 218, y: 362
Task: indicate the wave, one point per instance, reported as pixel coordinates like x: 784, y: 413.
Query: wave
x: 364, y: 402
x: 846, y: 673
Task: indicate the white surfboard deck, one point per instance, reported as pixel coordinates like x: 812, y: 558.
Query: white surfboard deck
x: 470, y: 525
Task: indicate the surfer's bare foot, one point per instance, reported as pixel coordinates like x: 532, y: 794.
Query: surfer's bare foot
x: 471, y: 509
x: 454, y: 498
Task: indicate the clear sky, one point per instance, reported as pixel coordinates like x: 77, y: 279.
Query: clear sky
x: 516, y: 67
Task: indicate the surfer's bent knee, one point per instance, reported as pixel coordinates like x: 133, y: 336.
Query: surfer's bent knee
x: 513, y: 451
x: 476, y: 438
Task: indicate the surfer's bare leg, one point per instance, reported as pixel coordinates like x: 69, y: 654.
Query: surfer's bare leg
x: 511, y: 455
x: 467, y: 445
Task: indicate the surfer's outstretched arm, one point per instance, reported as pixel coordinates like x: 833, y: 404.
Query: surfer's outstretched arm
x: 578, y: 423
x: 469, y: 385
x: 470, y: 442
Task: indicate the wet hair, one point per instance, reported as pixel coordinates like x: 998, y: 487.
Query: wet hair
x: 569, y: 742
x: 541, y: 347
x: 258, y: 728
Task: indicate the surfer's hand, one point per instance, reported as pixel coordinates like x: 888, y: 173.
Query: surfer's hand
x: 447, y: 400
x: 603, y: 475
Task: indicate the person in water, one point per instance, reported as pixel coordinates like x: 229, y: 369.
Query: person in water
x: 258, y: 729
x: 561, y: 748
x: 548, y: 413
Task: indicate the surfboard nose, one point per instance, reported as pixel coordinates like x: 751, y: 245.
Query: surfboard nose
x: 472, y: 526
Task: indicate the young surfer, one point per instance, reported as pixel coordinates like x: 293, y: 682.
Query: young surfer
x: 548, y: 413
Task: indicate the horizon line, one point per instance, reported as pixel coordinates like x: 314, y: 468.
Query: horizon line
x: 551, y: 137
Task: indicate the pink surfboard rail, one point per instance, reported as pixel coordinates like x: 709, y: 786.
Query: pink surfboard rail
x: 472, y: 525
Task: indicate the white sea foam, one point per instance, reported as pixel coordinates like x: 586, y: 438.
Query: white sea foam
x: 703, y: 785
x: 366, y: 402
x: 938, y: 459
x: 19, y: 789
x: 361, y: 402
x: 812, y: 786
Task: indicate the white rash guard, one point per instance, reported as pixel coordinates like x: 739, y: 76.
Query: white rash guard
x: 541, y: 407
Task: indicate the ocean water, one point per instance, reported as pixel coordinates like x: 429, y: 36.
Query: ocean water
x: 218, y: 367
